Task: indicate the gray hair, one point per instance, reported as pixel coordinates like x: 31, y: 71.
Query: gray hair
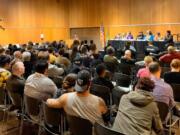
x: 26, y: 56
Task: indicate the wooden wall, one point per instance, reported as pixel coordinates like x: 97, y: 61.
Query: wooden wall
x: 27, y: 19
x: 126, y: 15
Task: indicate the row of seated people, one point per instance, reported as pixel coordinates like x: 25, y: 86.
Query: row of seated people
x: 39, y: 86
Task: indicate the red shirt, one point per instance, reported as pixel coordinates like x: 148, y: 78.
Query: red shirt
x: 143, y: 72
x: 167, y: 58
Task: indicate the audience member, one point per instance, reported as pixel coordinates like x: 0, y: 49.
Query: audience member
x: 109, y: 57
x: 162, y: 91
x: 144, y: 72
x: 127, y: 58
x: 138, y: 113
x: 172, y: 54
x: 151, y: 49
x: 101, y: 78
x: 75, y: 54
x: 15, y: 83
x: 174, y: 75
x: 26, y: 57
x: 4, y: 70
x: 52, y: 57
x: 81, y: 103
x: 38, y: 85
x: 61, y: 60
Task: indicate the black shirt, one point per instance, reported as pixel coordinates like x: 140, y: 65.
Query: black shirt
x: 103, y: 82
x: 126, y: 61
x: 172, y: 77
x: 151, y: 49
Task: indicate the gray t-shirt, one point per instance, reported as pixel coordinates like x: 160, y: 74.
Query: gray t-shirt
x: 84, y: 107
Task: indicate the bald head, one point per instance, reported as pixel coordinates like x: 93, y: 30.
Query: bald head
x: 18, y: 68
x: 127, y: 54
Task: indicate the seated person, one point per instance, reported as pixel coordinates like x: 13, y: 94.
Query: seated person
x: 81, y: 103
x: 162, y: 91
x: 4, y: 70
x: 15, y: 83
x: 149, y: 36
x: 38, y: 85
x: 172, y: 54
x: 141, y: 36
x: 68, y: 85
x: 101, y: 78
x: 151, y: 49
x: 109, y: 57
x: 61, y: 60
x: 127, y: 58
x: 174, y: 75
x: 144, y: 72
x: 129, y: 46
x: 138, y: 113
x: 169, y: 37
x: 129, y: 36
x: 53, y: 70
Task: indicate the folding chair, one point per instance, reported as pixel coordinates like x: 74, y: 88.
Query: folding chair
x: 79, y: 126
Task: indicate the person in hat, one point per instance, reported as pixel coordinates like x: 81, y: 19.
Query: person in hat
x: 81, y: 103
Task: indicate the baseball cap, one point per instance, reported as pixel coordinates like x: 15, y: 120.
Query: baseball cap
x: 83, y: 79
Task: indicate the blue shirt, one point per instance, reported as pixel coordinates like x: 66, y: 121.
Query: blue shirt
x: 163, y: 92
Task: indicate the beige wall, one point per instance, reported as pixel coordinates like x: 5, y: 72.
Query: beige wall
x: 27, y: 19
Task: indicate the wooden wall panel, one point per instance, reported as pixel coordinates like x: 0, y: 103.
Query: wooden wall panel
x: 26, y: 19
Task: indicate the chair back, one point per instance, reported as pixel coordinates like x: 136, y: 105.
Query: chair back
x: 79, y: 126
x: 51, y: 116
x: 16, y: 99
x: 163, y: 110
x: 102, y: 130
x: 176, y: 91
x: 125, y: 68
x: 101, y: 91
x: 32, y: 105
x: 58, y: 80
x: 111, y: 66
x: 122, y: 80
x: 117, y: 93
x: 3, y: 96
x: 164, y: 70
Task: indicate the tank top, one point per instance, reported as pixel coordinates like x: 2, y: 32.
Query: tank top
x: 84, y: 107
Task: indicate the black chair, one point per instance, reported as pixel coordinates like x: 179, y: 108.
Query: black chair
x: 164, y: 70
x: 53, y: 120
x: 103, y: 92
x: 58, y: 80
x: 111, y: 66
x: 176, y: 91
x: 102, y: 130
x: 117, y: 93
x: 79, y: 126
x: 32, y: 112
x: 122, y: 79
x: 163, y: 110
x: 125, y: 68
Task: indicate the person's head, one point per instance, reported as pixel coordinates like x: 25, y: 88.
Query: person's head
x: 91, y: 42
x: 129, y: 33
x: 85, y: 42
x: 84, y: 50
x: 171, y: 49
x: 5, y: 61
x: 26, y: 56
x: 168, y: 32
x: 2, y: 51
x: 83, y: 81
x: 41, y: 66
x: 148, y: 60
x: 127, y: 54
x: 150, y: 43
x: 101, y: 70
x: 158, y: 34
x: 50, y: 50
x: 69, y: 81
x: 175, y: 65
x: 155, y: 69
x: 43, y: 55
x: 110, y: 51
x: 61, y: 51
x: 18, y: 55
x: 145, y: 84
x: 18, y: 68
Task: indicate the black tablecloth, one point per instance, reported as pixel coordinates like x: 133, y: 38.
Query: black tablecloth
x: 138, y: 45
